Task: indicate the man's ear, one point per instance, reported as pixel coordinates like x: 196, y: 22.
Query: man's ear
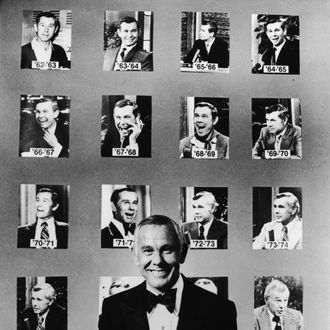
x: 35, y: 28
x: 55, y: 207
x: 215, y: 120
x: 113, y: 207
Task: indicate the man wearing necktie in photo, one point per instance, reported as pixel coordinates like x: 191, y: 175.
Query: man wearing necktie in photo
x: 205, y: 226
x: 166, y: 300
x: 124, y: 204
x: 209, y: 48
x: 129, y: 51
x: 46, y: 232
x: 279, y: 135
x: 44, y: 313
x: 275, y: 314
x: 286, y: 229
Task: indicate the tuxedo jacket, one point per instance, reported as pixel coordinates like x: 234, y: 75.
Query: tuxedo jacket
x: 58, y: 55
x: 27, y: 232
x: 268, y: 233
x: 112, y: 140
x: 218, y: 230
x: 290, y: 141
x: 200, y: 310
x: 56, y: 319
x: 289, y: 55
x: 32, y: 136
x: 108, y: 234
x: 136, y: 55
x: 218, y: 52
x: 292, y: 319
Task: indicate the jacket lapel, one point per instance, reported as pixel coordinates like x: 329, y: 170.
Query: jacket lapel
x: 134, y: 311
x: 130, y: 54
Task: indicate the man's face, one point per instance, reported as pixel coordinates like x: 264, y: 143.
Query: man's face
x: 44, y: 205
x: 275, y: 33
x: 158, y: 256
x: 45, y: 115
x: 128, y: 33
x: 40, y: 303
x: 282, y: 211
x: 203, y: 209
x: 204, y: 32
x: 124, y: 120
x: 278, y: 302
x: 127, y: 206
x: 274, y: 123
x: 45, y: 29
x: 203, y: 121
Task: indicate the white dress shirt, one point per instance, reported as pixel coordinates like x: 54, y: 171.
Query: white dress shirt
x: 160, y: 318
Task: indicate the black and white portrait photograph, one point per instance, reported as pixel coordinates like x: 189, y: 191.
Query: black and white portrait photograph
x: 277, y: 218
x: 276, y: 128
x: 204, y: 127
x: 126, y: 126
x: 123, y: 207
x: 44, y: 126
x: 166, y: 299
x: 275, y: 44
x: 204, y: 215
x: 42, y: 303
x: 46, y: 40
x: 128, y: 41
x: 43, y: 222
x: 278, y: 303
x: 205, y: 42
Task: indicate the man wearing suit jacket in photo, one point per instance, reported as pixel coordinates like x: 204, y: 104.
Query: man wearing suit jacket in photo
x: 44, y: 313
x: 166, y: 300
x: 124, y: 204
x: 278, y: 134
x: 42, y: 48
x: 209, y: 48
x: 129, y: 50
x: 287, y: 226
x: 205, y: 225
x: 275, y: 314
x: 44, y: 130
x: 46, y: 227
x: 283, y: 51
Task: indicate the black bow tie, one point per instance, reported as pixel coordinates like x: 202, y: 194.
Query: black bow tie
x: 167, y: 299
x: 129, y: 228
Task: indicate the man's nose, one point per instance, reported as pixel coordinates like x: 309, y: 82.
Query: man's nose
x: 157, y: 258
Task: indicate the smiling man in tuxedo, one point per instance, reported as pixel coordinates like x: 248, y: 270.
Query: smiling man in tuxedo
x: 124, y: 204
x: 166, y: 300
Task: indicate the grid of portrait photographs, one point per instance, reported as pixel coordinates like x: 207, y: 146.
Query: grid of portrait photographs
x: 126, y: 222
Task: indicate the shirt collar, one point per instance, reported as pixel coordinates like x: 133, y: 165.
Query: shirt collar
x: 279, y: 48
x: 49, y: 221
x: 179, y: 289
x: 206, y: 226
x: 282, y: 133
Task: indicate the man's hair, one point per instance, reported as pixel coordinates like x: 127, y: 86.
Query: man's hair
x: 54, y: 195
x: 47, y: 289
x: 283, y: 111
x: 115, y: 196
x: 291, y: 199
x: 48, y: 14
x: 205, y: 194
x: 48, y: 99
x: 213, y: 26
x: 128, y: 20
x: 275, y: 285
x: 125, y: 102
x: 273, y: 19
x: 162, y: 220
x: 214, y: 110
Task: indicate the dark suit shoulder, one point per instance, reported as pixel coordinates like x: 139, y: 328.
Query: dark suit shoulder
x: 61, y: 224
